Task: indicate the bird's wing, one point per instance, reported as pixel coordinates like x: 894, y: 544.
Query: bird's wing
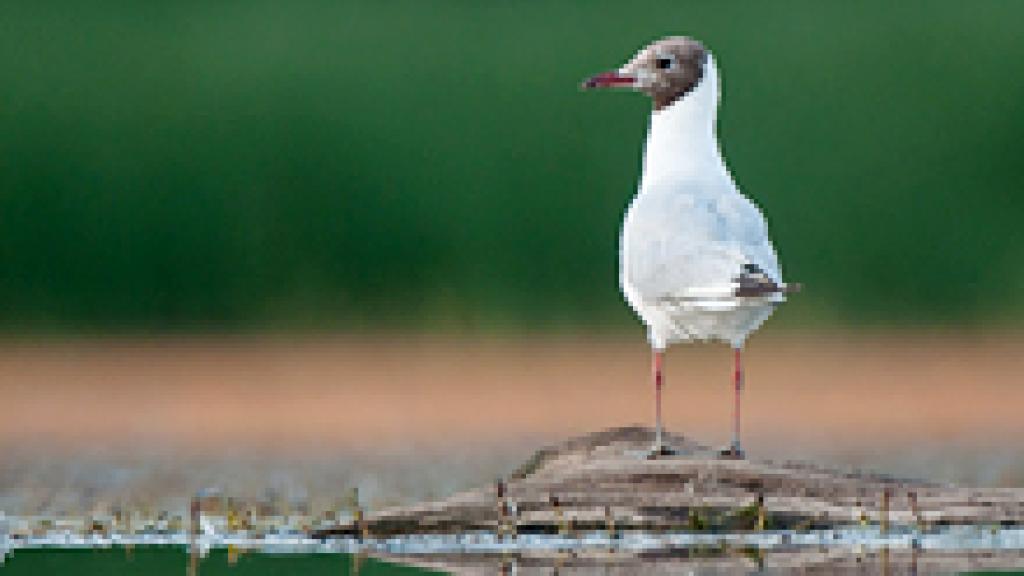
x: 694, y: 240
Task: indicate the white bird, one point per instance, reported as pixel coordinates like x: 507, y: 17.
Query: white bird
x: 696, y: 262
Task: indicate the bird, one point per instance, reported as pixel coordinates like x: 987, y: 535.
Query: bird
x: 695, y: 259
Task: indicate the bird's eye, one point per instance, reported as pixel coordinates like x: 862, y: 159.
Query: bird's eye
x: 665, y: 62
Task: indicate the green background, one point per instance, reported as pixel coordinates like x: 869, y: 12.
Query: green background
x: 433, y: 165
x: 168, y: 560
x: 156, y: 561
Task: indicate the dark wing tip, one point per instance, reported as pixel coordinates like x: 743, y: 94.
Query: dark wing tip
x: 752, y: 282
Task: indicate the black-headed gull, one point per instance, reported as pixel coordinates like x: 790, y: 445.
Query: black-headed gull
x: 696, y: 262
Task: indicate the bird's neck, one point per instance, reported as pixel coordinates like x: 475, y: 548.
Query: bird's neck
x: 681, y: 139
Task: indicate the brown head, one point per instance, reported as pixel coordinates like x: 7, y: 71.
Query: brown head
x: 665, y: 70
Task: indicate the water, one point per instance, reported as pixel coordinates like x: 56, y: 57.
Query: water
x: 949, y: 551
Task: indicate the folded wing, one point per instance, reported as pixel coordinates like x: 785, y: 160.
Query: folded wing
x: 693, y: 241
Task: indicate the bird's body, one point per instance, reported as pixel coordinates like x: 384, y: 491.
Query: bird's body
x: 689, y: 235
x: 696, y: 262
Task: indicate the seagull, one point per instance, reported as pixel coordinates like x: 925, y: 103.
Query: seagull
x: 695, y: 261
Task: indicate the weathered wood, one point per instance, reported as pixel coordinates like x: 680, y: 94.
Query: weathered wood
x: 606, y: 477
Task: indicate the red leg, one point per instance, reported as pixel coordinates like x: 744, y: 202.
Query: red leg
x: 737, y: 385
x: 656, y: 360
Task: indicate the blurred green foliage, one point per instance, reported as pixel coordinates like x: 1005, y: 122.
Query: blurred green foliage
x: 289, y: 165
x: 174, y: 560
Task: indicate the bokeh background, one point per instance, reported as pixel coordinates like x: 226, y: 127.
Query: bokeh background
x: 381, y: 238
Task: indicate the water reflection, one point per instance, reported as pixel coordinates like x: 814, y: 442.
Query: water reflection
x: 839, y: 561
x: 475, y: 554
x: 949, y: 551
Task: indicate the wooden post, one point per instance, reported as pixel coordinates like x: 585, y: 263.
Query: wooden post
x: 760, y: 511
x: 512, y: 518
x: 912, y: 496
x: 559, y: 516
x: 360, y: 524
x: 609, y: 522
x: 884, y: 520
x: 499, y: 489
x: 232, y: 516
x: 193, y: 517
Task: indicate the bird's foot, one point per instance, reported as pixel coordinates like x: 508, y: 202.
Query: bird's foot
x: 659, y: 450
x: 732, y: 452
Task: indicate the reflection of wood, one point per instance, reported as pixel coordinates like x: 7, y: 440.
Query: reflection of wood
x: 193, y: 561
x: 356, y: 562
x: 840, y: 562
x: 570, y: 487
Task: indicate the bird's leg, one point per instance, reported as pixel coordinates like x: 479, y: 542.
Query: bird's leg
x: 656, y: 360
x: 659, y: 448
x: 737, y: 386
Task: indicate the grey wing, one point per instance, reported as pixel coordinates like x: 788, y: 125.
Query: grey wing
x: 761, y: 265
x: 695, y: 241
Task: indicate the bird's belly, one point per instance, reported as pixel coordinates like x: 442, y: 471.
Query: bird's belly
x: 728, y: 320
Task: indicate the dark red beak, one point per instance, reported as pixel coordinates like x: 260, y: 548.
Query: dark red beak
x: 609, y: 80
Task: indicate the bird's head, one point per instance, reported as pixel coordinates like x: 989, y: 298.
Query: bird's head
x: 665, y: 70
